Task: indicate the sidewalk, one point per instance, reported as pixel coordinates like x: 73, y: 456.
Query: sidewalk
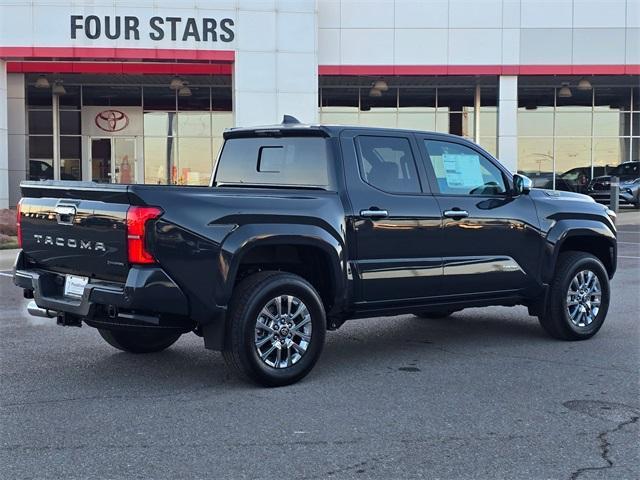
x: 7, y: 257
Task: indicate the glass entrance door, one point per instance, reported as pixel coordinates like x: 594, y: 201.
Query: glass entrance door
x: 124, y: 160
x: 101, y: 160
x: 113, y: 160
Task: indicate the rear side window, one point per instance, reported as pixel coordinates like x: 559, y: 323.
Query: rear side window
x: 387, y: 163
x: 283, y: 161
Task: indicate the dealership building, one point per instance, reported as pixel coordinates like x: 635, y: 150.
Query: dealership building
x: 141, y: 90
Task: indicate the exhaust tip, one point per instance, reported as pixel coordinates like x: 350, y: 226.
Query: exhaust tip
x: 36, y: 311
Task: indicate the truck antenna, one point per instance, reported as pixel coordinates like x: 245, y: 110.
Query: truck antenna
x: 289, y: 119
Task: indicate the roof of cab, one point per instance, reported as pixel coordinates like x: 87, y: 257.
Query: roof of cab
x: 290, y: 126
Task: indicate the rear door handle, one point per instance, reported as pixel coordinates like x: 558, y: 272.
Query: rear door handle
x: 456, y: 213
x: 371, y: 213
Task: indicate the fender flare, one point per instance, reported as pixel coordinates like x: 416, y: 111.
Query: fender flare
x: 564, y: 229
x: 247, y: 237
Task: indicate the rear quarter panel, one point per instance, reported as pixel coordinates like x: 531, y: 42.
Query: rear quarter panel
x: 205, y: 231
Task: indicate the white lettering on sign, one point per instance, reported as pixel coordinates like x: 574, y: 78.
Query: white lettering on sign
x: 128, y: 27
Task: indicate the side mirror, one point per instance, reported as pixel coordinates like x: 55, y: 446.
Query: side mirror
x: 522, y: 184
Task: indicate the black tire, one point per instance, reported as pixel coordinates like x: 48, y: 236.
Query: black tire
x: 249, y: 299
x: 139, y: 342
x: 556, y: 320
x: 435, y: 314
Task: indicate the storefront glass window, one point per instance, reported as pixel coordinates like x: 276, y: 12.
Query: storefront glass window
x: 199, y: 98
x: 111, y: 95
x: 194, y: 124
x: 70, y: 147
x: 566, y: 135
x: 535, y: 160
x: 194, y: 162
x: 159, y: 98
x: 610, y: 123
x: 417, y: 103
x: 40, y: 122
x: 71, y: 100
x: 573, y: 123
x: 70, y: 122
x: 41, y: 147
x: 159, y: 156
x: 181, y: 144
x: 38, y: 97
x: 610, y: 151
x: 160, y: 124
x: 614, y: 98
x: 178, y: 141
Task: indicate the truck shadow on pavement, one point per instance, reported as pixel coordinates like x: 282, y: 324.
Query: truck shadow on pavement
x: 360, y: 347
x: 187, y: 367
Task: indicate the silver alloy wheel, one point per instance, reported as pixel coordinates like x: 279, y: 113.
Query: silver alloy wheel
x: 583, y: 298
x: 283, y: 331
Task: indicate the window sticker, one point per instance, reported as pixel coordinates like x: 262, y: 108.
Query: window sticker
x: 462, y: 170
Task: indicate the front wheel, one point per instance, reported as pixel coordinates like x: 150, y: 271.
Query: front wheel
x: 139, y: 342
x: 275, y: 328
x: 578, y: 297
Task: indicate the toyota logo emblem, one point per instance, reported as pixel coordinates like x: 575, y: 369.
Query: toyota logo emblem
x: 111, y: 120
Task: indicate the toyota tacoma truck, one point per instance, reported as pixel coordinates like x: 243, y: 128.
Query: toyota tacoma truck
x: 302, y: 228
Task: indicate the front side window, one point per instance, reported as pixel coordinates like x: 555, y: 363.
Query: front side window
x: 460, y: 170
x: 387, y: 163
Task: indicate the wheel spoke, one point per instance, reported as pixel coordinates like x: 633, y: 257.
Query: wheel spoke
x: 584, y: 296
x: 260, y: 343
x: 266, y: 354
x: 289, y: 304
x: 298, y: 348
x: 265, y: 311
x: 264, y: 326
x: 299, y: 310
x: 278, y: 356
x: 306, y: 338
x: 298, y: 326
x: 271, y: 331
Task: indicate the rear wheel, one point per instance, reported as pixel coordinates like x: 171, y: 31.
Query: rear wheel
x: 578, y: 297
x: 139, y: 342
x: 275, y: 328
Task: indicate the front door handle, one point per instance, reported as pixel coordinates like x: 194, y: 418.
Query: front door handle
x: 456, y: 214
x: 374, y: 213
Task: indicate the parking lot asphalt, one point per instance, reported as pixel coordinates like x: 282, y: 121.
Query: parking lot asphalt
x: 481, y: 395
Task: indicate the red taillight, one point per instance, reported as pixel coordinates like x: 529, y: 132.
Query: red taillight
x: 137, y: 218
x: 18, y: 224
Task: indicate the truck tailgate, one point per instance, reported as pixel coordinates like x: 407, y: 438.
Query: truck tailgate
x: 74, y: 230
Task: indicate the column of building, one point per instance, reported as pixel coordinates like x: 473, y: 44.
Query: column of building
x: 17, y: 134
x: 508, y: 121
x: 4, y: 141
x: 276, y: 71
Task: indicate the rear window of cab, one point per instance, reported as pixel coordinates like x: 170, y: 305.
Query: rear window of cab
x: 276, y: 161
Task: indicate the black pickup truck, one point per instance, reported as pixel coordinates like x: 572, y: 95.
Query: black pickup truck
x: 302, y: 228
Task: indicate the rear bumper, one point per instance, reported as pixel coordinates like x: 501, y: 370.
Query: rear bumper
x: 148, y: 298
